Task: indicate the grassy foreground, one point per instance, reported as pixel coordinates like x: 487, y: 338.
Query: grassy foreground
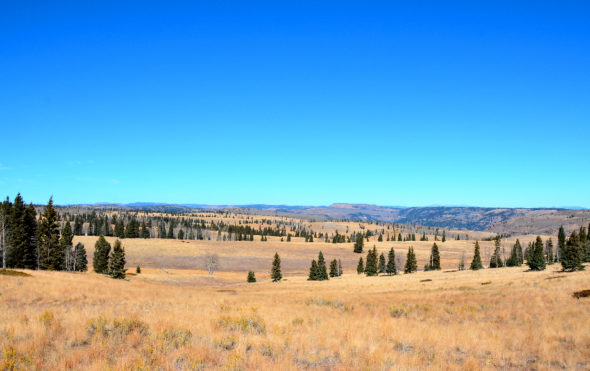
x: 504, y: 318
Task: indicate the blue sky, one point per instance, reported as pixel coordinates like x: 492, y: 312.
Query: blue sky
x: 305, y: 103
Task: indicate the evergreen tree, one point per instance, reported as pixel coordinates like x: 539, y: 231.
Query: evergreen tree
x: 29, y: 256
x: 120, y: 229
x: 549, y: 251
x: 371, y: 265
x: 138, y: 270
x: 444, y: 239
x: 170, y: 234
x: 391, y: 269
x: 181, y: 234
x: 571, y: 258
x: 132, y: 230
x: 275, y: 273
x: 50, y: 255
x: 251, y: 277
x: 536, y: 260
x: 340, y: 271
x: 411, y: 263
x: 145, y: 233
x: 334, y: 268
x: 313, y: 271
x: 476, y: 262
x: 435, y: 257
x: 17, y: 236
x: 322, y: 270
x: 358, y: 245
x: 80, y: 259
x: 399, y: 237
x: 67, y: 247
x: 78, y: 226
x: 381, y: 263
x: 513, y: 260
x: 560, y: 242
x: 380, y: 238
x: 117, y: 261
x: 519, y: 253
x: 100, y: 261
x: 360, y: 268
x: 496, y: 259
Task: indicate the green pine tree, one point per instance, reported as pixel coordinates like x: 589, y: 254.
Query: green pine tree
x: 381, y: 263
x: 275, y: 273
x: 549, y: 251
x: 560, y: 242
x: 117, y: 261
x: 170, y: 234
x: 67, y: 247
x: 514, y: 259
x: 80, y: 259
x: 358, y: 245
x: 251, y: 277
x: 18, y: 238
x: 572, y: 255
x: 313, y: 271
x: 411, y: 263
x: 435, y: 257
x: 322, y: 270
x: 334, y: 268
x: 360, y: 268
x: 371, y: 265
x: 391, y: 269
x: 51, y: 257
x: 476, y: 262
x: 145, y: 233
x: 496, y: 258
x: 536, y: 261
x: 100, y: 261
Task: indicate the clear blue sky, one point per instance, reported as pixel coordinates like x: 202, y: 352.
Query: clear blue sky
x: 394, y: 103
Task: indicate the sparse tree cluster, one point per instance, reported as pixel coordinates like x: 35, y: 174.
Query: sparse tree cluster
x: 109, y: 262
x: 28, y: 243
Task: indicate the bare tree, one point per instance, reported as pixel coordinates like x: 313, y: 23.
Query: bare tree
x: 211, y: 263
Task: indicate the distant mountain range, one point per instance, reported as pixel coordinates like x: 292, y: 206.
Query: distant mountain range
x: 500, y: 220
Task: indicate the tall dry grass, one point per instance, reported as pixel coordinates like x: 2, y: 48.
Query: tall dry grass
x: 178, y: 320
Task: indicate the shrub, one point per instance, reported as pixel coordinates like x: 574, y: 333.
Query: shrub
x: 46, y: 318
x: 581, y: 294
x: 176, y: 338
x: 245, y: 324
x: 251, y: 277
x: 10, y: 272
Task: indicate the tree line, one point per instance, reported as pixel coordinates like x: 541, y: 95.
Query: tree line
x: 37, y: 243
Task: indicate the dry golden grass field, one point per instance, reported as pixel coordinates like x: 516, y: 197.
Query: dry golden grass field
x: 174, y: 316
